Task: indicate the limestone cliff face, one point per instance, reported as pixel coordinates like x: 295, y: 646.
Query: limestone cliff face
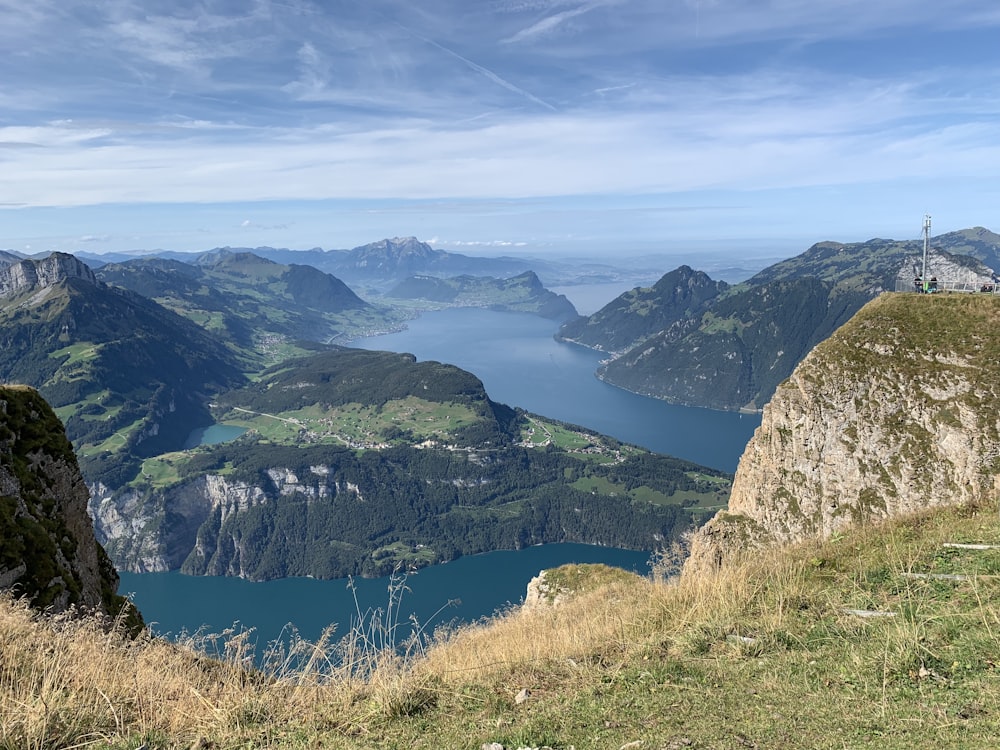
x: 898, y: 410
x: 150, y: 531
x: 48, y: 551
x: 184, y: 526
x: 31, y: 275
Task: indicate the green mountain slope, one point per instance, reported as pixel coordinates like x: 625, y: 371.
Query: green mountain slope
x: 735, y: 354
x: 372, y: 381
x: 678, y: 297
x: 730, y: 347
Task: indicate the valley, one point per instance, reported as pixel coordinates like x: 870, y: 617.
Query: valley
x: 360, y: 461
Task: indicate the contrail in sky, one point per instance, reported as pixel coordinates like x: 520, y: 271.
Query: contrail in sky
x: 484, y: 71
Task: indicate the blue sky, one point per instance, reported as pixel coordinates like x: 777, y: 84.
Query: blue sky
x: 597, y: 127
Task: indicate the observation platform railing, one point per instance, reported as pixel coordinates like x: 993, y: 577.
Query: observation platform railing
x: 934, y: 287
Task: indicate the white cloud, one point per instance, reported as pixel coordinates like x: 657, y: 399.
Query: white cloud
x: 477, y: 243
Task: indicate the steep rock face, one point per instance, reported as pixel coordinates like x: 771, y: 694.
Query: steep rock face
x: 29, y: 275
x: 897, y: 411
x: 156, y: 531
x: 48, y: 551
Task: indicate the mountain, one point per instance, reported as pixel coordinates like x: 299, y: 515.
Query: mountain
x: 729, y: 347
x: 359, y: 462
x: 48, y: 551
x: 522, y: 293
x: 884, y: 440
x: 249, y: 300
x: 895, y: 412
x: 128, y: 377
x: 678, y: 296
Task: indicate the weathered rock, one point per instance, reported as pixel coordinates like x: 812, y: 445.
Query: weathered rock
x: 30, y: 275
x: 48, y: 551
x: 895, y: 412
x: 553, y: 586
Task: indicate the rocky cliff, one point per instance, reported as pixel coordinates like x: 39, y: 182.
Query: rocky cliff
x: 898, y: 410
x: 47, y: 547
x: 29, y: 275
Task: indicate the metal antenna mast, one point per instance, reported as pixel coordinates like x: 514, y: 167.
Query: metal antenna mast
x: 927, y: 240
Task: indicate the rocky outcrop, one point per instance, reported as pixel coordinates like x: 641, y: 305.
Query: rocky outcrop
x: 148, y: 530
x: 956, y: 269
x: 896, y: 411
x: 48, y: 551
x: 31, y: 275
x: 153, y: 531
x: 552, y: 587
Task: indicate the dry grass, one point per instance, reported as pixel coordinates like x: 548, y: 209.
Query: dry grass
x: 603, y: 619
x: 73, y: 682
x: 763, y: 654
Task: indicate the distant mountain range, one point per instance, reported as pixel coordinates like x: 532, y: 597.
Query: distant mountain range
x: 376, y: 267
x: 691, y: 340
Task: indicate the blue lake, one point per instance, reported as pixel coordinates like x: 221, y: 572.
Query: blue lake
x: 464, y: 590
x: 213, y: 435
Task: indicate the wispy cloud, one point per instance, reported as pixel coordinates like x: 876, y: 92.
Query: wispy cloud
x: 548, y: 24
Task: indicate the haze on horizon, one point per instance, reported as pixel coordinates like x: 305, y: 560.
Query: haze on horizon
x: 589, y: 127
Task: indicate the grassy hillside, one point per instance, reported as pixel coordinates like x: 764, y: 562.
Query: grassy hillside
x: 771, y: 653
x: 126, y: 376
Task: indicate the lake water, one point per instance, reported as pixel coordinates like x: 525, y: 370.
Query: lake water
x: 213, y: 435
x: 464, y: 590
x: 520, y: 364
